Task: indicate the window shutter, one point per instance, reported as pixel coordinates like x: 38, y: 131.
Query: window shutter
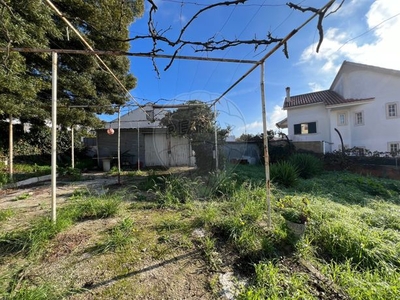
x: 312, y: 127
x: 297, y: 128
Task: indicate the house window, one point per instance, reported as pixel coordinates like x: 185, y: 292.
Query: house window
x: 342, y: 119
x: 359, y: 118
x: 394, y: 148
x: 305, y: 128
x: 391, y: 110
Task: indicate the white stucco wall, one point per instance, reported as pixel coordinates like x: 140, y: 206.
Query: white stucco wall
x: 306, y: 114
x: 378, y: 130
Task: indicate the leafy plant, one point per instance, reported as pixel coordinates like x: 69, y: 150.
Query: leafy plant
x: 294, y: 215
x: 294, y: 209
x: 221, y: 184
x: 307, y: 165
x: 284, y: 173
x: 210, y: 253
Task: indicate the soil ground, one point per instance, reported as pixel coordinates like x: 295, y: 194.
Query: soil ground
x: 161, y: 264
x: 152, y: 270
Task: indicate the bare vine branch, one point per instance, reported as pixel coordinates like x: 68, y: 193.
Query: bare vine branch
x: 334, y: 11
x: 321, y: 15
x: 160, y: 37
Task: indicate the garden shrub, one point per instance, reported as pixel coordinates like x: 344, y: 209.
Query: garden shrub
x: 284, y: 173
x: 307, y: 165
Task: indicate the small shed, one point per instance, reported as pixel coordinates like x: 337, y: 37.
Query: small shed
x: 144, y: 141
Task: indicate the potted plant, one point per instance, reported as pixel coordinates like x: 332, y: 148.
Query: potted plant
x: 296, y: 220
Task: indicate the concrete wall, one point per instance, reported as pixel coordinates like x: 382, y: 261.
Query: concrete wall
x: 316, y: 146
x: 241, y: 150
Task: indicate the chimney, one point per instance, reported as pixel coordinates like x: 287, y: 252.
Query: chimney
x: 287, y: 95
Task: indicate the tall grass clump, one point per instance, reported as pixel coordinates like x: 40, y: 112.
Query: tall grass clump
x: 220, y: 184
x: 92, y: 207
x: 26, y: 292
x: 341, y: 234
x: 366, y: 285
x: 32, y: 241
x: 5, y: 214
x: 117, y: 238
x: 284, y: 173
x: 175, y: 190
x: 239, y: 221
x: 271, y: 282
x: 307, y: 165
x: 4, y: 178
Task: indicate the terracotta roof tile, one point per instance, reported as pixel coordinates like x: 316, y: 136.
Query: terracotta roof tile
x: 326, y: 97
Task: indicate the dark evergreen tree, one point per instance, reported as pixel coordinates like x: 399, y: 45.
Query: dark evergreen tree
x: 25, y: 78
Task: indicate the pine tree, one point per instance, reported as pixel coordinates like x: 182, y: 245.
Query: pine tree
x: 25, y: 78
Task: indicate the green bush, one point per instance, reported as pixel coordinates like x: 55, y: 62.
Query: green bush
x: 307, y: 165
x: 70, y: 173
x: 175, y: 190
x: 220, y: 184
x: 284, y: 173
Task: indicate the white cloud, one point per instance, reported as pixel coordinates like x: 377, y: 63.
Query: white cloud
x: 278, y: 114
x: 256, y: 127
x: 376, y: 43
x: 314, y: 86
x: 251, y: 128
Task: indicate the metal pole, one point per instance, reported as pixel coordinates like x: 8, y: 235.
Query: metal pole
x: 72, y: 147
x: 216, y: 138
x: 11, y: 148
x: 138, y: 147
x: 54, y: 137
x: 119, y: 145
x: 266, y: 154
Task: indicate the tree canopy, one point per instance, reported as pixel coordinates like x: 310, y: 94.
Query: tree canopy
x: 25, y: 78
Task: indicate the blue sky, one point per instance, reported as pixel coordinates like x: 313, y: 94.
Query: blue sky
x: 362, y: 31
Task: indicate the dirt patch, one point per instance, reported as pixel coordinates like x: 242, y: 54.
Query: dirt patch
x: 159, y: 264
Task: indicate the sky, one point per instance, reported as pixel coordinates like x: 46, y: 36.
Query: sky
x: 361, y: 31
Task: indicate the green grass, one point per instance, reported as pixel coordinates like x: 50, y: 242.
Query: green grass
x: 352, y: 235
x: 117, y: 238
x: 272, y: 282
x: 6, y: 214
x: 33, y: 240
x: 26, y: 292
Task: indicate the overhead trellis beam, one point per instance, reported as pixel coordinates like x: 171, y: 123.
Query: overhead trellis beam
x: 123, y: 53
x: 283, y: 42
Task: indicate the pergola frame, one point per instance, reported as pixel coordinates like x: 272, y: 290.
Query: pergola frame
x: 91, y: 51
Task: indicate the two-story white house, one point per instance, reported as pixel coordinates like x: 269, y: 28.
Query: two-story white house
x: 362, y: 104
